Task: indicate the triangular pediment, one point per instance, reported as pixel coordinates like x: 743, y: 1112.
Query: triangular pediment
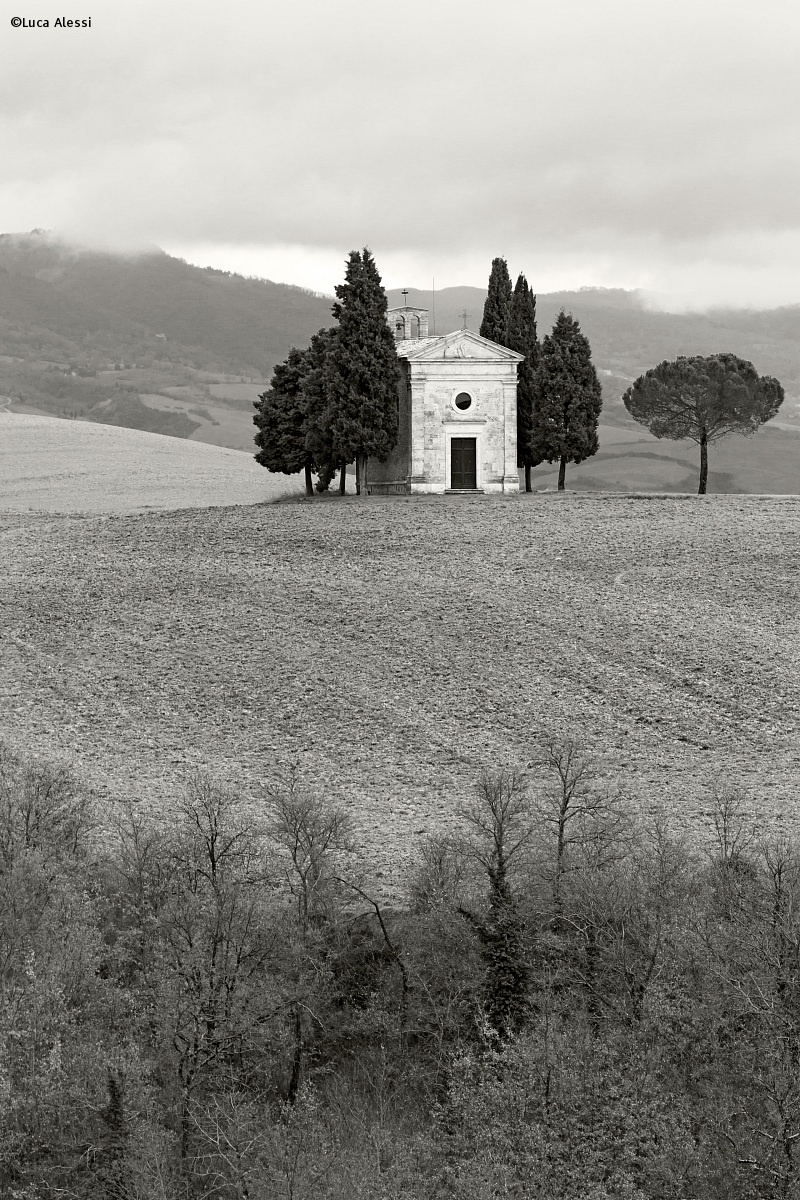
x: 461, y: 344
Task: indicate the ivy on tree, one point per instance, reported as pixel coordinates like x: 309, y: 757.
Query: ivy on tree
x: 500, y: 828
x: 497, y: 308
x: 521, y: 336
x: 568, y: 399
x: 704, y: 399
x: 362, y: 369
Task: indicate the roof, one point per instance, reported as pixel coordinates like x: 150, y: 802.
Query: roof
x: 461, y: 344
x: 408, y: 344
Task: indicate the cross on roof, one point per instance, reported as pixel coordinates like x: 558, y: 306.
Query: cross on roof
x: 464, y: 316
x: 404, y: 294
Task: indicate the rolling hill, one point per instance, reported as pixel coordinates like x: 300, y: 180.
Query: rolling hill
x: 55, y: 466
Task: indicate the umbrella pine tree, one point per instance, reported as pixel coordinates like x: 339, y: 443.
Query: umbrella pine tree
x: 704, y: 399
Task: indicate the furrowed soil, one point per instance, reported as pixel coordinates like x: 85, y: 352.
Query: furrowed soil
x: 395, y: 646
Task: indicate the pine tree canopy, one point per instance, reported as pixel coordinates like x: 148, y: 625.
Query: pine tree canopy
x: 700, y: 397
x: 362, y: 369
x: 497, y: 309
x: 568, y: 397
x: 522, y: 338
x: 704, y: 399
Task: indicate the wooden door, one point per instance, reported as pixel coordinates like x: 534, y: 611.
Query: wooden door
x: 463, y: 463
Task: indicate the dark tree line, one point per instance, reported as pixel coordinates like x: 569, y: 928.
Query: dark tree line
x: 565, y: 997
x: 335, y: 402
x: 558, y: 392
x: 559, y: 397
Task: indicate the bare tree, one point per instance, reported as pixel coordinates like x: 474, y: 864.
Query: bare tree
x: 499, y: 828
x: 499, y: 823
x: 735, y: 836
x: 43, y: 807
x: 314, y: 834
x: 575, y: 809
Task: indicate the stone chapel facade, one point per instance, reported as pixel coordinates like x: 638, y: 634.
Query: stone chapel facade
x: 458, y: 413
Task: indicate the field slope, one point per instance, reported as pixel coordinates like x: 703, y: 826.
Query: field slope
x: 68, y: 466
x: 395, y: 646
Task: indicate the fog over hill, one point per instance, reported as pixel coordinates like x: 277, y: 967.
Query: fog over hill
x: 149, y: 342
x: 628, y: 337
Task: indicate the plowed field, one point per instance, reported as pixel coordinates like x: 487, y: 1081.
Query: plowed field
x: 396, y: 645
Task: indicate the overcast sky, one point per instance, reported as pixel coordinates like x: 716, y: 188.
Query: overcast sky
x: 622, y: 143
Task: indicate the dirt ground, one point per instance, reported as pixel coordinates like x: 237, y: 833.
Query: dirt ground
x: 395, y: 646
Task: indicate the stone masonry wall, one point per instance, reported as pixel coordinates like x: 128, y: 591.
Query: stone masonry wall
x: 492, y: 420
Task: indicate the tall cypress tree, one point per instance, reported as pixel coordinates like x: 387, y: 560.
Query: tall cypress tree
x: 522, y: 338
x: 362, y: 369
x: 281, y: 418
x: 318, y: 431
x: 497, y: 309
x: 568, y: 399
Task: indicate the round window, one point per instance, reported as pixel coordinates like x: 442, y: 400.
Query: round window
x: 463, y: 401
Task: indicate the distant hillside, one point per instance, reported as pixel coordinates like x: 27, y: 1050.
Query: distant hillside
x: 105, y: 307
x: 146, y: 341
x: 151, y: 343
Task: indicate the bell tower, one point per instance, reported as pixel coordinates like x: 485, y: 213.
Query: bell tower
x: 408, y: 323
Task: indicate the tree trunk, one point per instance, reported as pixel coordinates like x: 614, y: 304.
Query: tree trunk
x: 361, y: 474
x: 342, y: 477
x: 701, y: 491
x: 527, y: 477
x: 309, y: 483
x: 297, y: 1058
x: 562, y: 472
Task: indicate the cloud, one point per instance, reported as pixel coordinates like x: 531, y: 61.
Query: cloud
x: 629, y: 141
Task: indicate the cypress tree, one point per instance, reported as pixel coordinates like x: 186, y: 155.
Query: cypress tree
x: 318, y: 431
x: 497, y: 309
x: 281, y: 415
x: 362, y: 369
x: 568, y: 399
x: 522, y: 338
x: 293, y: 416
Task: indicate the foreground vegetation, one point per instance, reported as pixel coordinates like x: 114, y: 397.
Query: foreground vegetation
x: 569, y: 1002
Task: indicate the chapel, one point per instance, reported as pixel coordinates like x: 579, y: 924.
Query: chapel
x: 458, y: 412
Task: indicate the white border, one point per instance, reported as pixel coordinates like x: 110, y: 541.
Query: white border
x: 464, y: 412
